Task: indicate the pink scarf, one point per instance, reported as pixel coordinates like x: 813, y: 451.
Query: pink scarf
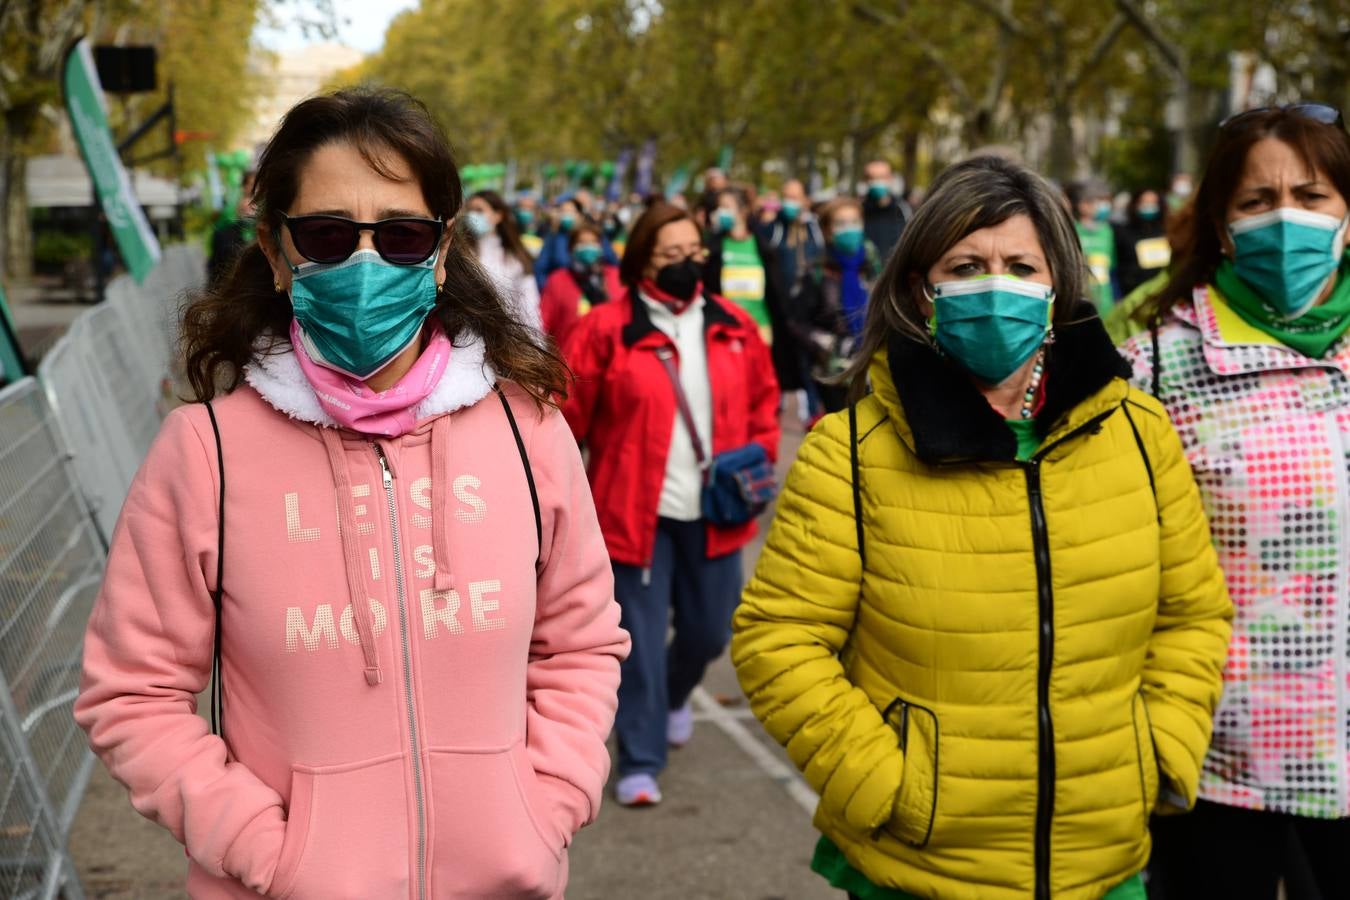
x: 354, y: 405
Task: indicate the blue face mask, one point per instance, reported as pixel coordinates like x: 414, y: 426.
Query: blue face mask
x: 1102, y: 211
x: 1287, y: 256
x: 477, y: 222
x: 1149, y: 213
x: 586, y: 255
x: 359, y: 314
x: 991, y: 326
x: 848, y: 241
x: 567, y: 222
x: 791, y: 210
x: 525, y: 217
x: 724, y: 221
x: 878, y: 189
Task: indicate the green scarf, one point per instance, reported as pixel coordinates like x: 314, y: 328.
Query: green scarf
x: 1312, y: 333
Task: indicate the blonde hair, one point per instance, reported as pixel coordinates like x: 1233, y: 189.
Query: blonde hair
x: 974, y: 194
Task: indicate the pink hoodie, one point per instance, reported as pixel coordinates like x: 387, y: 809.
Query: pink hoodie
x: 413, y: 709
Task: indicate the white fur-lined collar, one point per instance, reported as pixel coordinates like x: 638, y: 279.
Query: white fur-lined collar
x: 277, y: 376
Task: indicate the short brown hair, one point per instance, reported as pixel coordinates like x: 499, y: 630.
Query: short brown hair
x: 637, y: 253
x: 1198, y: 244
x: 834, y: 208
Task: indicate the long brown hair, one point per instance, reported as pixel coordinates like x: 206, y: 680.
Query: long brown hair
x: 1198, y: 242
x: 507, y: 231
x: 637, y: 253
x: 977, y: 193
x: 227, y: 326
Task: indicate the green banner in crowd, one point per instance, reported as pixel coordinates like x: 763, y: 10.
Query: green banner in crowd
x: 11, y: 361
x: 88, y: 111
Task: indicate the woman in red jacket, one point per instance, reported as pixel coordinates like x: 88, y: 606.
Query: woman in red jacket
x: 647, y: 479
x: 587, y: 281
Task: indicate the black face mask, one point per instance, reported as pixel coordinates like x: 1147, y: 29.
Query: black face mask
x: 680, y: 279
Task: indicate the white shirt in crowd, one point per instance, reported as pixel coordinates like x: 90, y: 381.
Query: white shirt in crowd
x: 516, y: 285
x: 681, y: 492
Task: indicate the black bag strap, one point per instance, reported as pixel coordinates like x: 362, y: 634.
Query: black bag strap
x: 667, y: 357
x: 1157, y: 357
x: 217, y: 708
x: 529, y: 471
x: 857, y: 483
x: 1143, y: 453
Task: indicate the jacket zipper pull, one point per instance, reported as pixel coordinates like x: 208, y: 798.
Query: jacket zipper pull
x: 385, y: 474
x: 647, y: 577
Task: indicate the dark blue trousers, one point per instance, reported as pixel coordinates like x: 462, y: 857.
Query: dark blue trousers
x: 698, y: 595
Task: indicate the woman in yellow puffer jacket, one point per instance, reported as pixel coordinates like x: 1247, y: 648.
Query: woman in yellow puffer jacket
x: 988, y: 624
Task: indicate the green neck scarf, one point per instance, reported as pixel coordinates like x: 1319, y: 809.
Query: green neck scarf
x: 1312, y: 333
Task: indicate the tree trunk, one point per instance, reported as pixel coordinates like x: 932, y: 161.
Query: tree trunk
x: 1187, y: 156
x: 18, y: 228
x: 1061, y: 140
x: 909, y: 162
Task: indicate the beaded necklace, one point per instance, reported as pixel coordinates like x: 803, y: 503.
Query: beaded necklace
x: 1037, y: 372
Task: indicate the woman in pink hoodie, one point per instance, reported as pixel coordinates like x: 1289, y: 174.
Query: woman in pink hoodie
x: 390, y: 548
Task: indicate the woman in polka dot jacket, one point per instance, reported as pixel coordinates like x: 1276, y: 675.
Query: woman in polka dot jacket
x: 1247, y: 351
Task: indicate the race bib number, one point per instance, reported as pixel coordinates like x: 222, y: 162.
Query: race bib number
x: 1099, y: 264
x: 1153, y: 253
x: 743, y: 282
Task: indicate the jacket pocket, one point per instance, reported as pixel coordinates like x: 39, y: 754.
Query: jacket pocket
x: 916, y: 804
x: 493, y: 836
x: 1149, y: 776
x: 346, y: 833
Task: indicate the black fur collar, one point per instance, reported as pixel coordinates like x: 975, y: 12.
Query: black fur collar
x: 952, y: 422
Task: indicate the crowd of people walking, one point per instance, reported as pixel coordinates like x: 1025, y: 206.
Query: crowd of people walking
x: 1054, y: 600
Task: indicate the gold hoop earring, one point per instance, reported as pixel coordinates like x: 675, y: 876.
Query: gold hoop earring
x: 276, y: 285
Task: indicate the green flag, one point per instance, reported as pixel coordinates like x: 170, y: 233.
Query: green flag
x: 11, y: 358
x: 88, y: 111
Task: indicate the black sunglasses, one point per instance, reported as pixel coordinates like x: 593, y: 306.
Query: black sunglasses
x: 331, y: 239
x: 1318, y: 112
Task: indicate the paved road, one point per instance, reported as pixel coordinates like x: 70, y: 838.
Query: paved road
x: 734, y: 825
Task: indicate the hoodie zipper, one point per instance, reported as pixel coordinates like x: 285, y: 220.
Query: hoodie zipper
x: 388, y: 478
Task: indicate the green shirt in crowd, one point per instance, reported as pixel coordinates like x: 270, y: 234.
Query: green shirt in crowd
x: 743, y: 280
x: 1099, y: 246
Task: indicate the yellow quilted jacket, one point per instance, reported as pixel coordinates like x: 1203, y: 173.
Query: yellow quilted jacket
x: 991, y: 705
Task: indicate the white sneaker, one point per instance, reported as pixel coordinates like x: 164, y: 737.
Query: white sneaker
x: 637, y: 790
x: 679, y: 726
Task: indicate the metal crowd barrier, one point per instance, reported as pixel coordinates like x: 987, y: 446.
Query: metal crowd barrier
x: 51, y: 560
x: 70, y: 443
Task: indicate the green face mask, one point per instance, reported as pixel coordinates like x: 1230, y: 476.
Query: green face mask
x: 362, y: 312
x: 991, y: 326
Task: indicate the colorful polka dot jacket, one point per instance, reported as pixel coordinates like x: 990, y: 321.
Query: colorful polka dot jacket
x: 1267, y: 432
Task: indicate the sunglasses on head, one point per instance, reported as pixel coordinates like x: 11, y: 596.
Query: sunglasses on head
x: 331, y: 239
x: 1318, y: 112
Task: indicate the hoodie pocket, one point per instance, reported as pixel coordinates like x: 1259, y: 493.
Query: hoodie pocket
x: 916, y: 804
x: 493, y: 837
x: 1149, y: 776
x: 346, y: 833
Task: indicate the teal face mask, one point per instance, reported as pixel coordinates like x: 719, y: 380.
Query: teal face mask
x: 525, y: 217
x: 359, y: 314
x: 1287, y: 255
x: 724, y: 221
x: 791, y: 210
x: 567, y: 222
x: 878, y: 189
x: 991, y: 326
x: 477, y: 222
x: 586, y: 254
x: 848, y: 241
